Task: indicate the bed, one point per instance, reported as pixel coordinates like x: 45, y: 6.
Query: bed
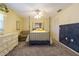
x: 39, y: 36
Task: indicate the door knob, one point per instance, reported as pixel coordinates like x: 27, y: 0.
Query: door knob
x: 66, y: 38
x: 72, y: 40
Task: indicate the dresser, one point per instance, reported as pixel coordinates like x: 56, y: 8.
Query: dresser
x: 8, y: 42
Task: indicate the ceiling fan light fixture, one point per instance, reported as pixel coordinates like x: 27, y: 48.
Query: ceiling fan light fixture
x: 38, y: 14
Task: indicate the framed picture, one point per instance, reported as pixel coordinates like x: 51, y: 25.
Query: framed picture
x: 37, y: 25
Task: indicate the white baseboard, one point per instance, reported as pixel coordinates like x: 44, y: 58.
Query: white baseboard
x: 69, y: 48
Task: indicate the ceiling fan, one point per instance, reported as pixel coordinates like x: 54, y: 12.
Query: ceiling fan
x: 38, y: 14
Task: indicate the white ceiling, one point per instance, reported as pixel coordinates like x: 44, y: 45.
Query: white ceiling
x: 26, y: 9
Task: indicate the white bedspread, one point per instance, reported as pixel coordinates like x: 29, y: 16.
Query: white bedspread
x: 39, y: 35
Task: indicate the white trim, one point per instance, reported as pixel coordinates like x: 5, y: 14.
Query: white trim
x: 69, y: 48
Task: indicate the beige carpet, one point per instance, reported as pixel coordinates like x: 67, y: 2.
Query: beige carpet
x: 56, y: 50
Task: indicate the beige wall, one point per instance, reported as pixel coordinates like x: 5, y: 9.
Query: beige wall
x: 10, y: 19
x: 67, y: 16
x: 26, y: 24
x: 43, y: 20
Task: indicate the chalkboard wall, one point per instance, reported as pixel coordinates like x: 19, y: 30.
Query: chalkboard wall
x: 69, y: 35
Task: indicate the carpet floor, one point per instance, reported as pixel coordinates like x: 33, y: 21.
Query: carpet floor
x: 56, y: 50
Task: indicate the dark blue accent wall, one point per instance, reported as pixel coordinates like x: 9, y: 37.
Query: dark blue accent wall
x: 69, y: 35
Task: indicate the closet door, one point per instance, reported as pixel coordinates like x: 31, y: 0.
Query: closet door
x: 64, y: 34
x: 69, y: 35
x: 74, y: 37
x: 74, y: 44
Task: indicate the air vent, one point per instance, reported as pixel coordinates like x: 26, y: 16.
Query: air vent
x: 59, y: 10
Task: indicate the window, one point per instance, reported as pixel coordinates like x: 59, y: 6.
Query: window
x: 1, y: 22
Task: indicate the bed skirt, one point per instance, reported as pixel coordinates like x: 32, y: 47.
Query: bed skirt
x: 41, y: 38
x: 39, y: 42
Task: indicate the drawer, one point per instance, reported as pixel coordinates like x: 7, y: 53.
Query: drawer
x: 4, y: 52
x: 12, y: 42
x: 5, y: 40
x: 10, y: 47
x: 2, y: 47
